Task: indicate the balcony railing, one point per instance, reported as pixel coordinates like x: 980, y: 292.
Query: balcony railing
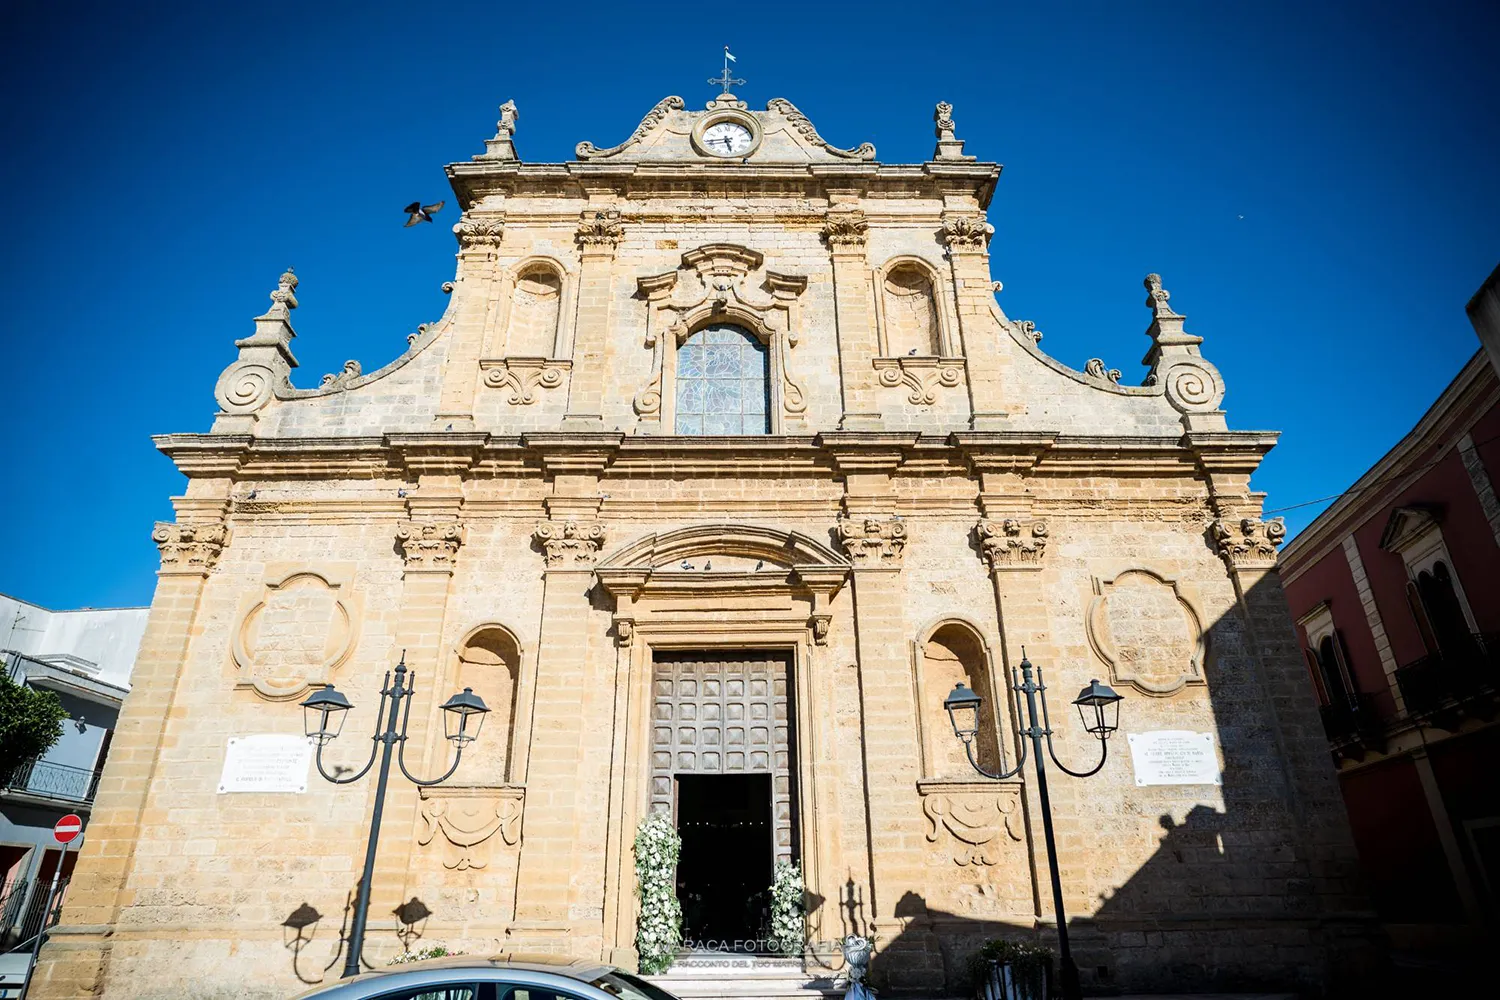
x: 1447, y: 680
x: 55, y: 781
x: 1357, y: 726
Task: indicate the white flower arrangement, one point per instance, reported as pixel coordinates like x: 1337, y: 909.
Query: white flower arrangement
x: 659, y: 929
x: 788, y: 930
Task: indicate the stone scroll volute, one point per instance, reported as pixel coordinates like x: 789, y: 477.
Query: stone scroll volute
x: 297, y: 632
x: 1148, y: 631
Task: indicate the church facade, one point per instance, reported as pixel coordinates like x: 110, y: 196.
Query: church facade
x: 722, y: 467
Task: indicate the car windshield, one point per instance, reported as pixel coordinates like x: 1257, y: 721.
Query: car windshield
x: 624, y: 985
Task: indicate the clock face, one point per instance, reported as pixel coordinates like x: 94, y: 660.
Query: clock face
x: 727, y: 139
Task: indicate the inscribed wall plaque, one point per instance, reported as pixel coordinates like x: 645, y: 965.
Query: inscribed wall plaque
x: 1174, y: 757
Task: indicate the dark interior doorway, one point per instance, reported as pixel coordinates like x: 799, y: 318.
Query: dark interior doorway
x: 724, y: 874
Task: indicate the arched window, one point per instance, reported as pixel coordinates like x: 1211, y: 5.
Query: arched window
x: 954, y: 654
x: 721, y: 383
x: 536, y: 304
x: 1333, y: 677
x: 1445, y: 616
x: 489, y: 661
x: 911, y: 319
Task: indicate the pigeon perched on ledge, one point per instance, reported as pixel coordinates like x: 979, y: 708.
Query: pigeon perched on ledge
x: 419, y: 212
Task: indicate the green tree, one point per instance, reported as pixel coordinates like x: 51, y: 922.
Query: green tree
x: 30, y: 722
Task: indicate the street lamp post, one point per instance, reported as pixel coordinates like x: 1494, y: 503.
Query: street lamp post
x: 324, y: 713
x: 963, y: 707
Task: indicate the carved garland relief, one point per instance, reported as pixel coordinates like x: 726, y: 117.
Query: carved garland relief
x: 975, y: 821
x: 296, y: 634
x: 468, y: 817
x: 1147, y: 632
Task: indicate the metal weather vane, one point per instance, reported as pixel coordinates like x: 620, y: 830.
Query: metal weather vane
x: 726, y: 81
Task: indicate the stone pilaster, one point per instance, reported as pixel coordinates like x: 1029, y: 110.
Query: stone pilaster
x: 967, y: 236
x: 75, y: 960
x: 845, y: 232
x: 478, y: 279
x: 599, y: 234
x: 552, y: 828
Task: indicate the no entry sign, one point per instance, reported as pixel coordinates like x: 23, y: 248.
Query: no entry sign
x: 68, y: 828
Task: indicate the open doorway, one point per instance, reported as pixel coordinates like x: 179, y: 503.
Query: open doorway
x: 724, y: 874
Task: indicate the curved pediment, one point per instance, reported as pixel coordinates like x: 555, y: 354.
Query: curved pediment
x: 737, y: 547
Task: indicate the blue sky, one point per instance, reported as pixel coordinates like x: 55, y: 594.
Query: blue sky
x: 1315, y: 183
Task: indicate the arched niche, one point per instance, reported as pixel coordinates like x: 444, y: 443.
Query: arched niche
x: 912, y: 310
x: 948, y: 652
x: 535, y: 312
x: 489, y: 661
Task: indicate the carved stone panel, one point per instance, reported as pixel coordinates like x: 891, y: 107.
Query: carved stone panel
x: 723, y: 713
x: 469, y: 817
x: 296, y: 634
x: 974, y: 821
x: 1147, y: 632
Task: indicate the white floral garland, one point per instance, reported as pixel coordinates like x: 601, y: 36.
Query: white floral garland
x: 659, y: 929
x: 788, y: 928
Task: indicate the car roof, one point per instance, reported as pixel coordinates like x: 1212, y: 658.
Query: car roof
x: 580, y: 970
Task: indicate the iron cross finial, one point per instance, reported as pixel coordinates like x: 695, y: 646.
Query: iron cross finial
x: 726, y: 81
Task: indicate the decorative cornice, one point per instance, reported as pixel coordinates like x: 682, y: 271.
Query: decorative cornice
x: 654, y: 117
x: 967, y: 232
x: 1249, y: 545
x: 846, y: 231
x: 873, y: 543
x: 189, y: 548
x: 570, y: 544
x: 600, y: 230
x: 430, y: 545
x: 1012, y: 543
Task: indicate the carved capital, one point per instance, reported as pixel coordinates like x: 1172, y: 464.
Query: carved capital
x: 967, y: 233
x: 430, y: 545
x: 1251, y: 544
x: 600, y: 231
x: 475, y: 233
x: 189, y: 548
x: 522, y: 376
x: 873, y: 542
x: 1012, y: 543
x: 846, y: 231
x: 820, y: 624
x: 570, y: 544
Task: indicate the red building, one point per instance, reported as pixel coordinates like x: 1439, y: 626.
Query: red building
x: 1396, y: 593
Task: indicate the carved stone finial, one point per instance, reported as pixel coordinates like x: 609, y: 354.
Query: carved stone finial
x: 284, y: 299
x: 189, y: 548
x: 1192, y: 385
x: 570, y: 544
x: 846, y: 230
x: 1028, y: 329
x: 873, y: 542
x: 967, y: 233
x: 430, y: 545
x: 1096, y: 369
x: 1251, y: 544
x: 341, y: 380
x: 949, y: 147
x: 600, y: 230
x: 501, y: 147
x: 1012, y: 543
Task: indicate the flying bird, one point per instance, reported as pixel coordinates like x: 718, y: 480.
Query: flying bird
x: 419, y: 212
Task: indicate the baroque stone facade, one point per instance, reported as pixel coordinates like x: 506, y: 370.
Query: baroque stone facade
x: 690, y: 409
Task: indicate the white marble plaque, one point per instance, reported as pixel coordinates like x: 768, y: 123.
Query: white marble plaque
x: 1174, y: 757
x: 270, y: 762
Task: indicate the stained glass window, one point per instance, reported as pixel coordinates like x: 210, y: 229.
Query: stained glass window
x: 721, y: 383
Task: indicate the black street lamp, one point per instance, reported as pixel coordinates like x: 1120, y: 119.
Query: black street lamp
x: 1096, y: 700
x: 324, y: 713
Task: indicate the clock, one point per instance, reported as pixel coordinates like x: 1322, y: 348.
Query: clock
x: 728, y: 138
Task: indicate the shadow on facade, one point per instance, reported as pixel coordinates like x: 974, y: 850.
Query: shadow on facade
x: 300, y: 931
x: 1263, y: 896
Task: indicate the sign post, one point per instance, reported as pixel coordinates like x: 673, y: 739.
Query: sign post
x: 65, y: 830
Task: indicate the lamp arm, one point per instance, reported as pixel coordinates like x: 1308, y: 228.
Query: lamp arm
x: 401, y: 762
x: 374, y: 746
x: 1103, y: 756
x: 969, y: 750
